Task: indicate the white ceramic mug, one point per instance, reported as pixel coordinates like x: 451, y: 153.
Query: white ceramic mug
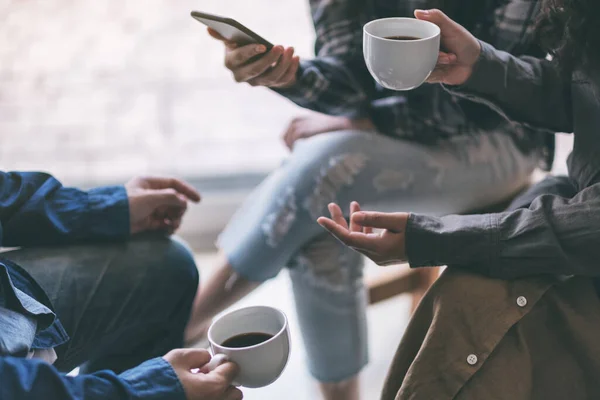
x: 261, y: 364
x: 401, y: 64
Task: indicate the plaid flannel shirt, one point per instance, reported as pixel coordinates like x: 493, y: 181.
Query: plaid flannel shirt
x: 337, y: 82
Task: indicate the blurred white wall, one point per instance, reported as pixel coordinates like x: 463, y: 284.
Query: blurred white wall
x: 98, y: 91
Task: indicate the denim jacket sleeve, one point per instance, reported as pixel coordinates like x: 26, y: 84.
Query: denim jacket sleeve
x: 34, y: 379
x: 553, y: 236
x: 35, y: 209
x: 336, y: 81
x: 525, y: 90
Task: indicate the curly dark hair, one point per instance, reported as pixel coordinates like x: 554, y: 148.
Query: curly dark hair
x: 570, y: 31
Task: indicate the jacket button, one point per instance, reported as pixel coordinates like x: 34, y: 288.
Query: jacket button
x: 521, y: 301
x: 472, y: 359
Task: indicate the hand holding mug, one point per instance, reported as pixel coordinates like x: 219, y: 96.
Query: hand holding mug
x: 212, y: 385
x: 462, y: 49
x: 253, y: 64
x: 256, y: 339
x: 400, y: 53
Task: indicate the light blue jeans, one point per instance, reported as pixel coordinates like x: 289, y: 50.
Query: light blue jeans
x: 276, y: 225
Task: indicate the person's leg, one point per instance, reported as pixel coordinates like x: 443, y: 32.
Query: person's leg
x: 278, y: 220
x: 223, y: 288
x: 120, y: 303
x: 331, y: 303
x: 562, y: 186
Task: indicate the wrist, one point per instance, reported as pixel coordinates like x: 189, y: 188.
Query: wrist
x: 289, y: 85
x: 363, y: 124
x: 475, y: 53
x: 474, y: 59
x: 478, y: 80
x: 108, y: 212
x: 154, y: 379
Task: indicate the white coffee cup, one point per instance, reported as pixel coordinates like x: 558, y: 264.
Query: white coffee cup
x: 401, y: 64
x: 261, y: 364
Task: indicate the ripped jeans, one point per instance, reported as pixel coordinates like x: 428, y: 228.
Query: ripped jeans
x: 276, y: 225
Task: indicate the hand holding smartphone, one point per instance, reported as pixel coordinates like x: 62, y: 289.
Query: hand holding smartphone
x: 250, y: 57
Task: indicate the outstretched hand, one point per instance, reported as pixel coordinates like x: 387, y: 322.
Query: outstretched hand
x: 386, y: 247
x: 213, y: 385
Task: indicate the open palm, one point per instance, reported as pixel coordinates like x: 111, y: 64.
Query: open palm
x: 385, y: 247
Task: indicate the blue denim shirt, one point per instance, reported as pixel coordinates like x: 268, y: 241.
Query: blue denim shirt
x: 35, y: 209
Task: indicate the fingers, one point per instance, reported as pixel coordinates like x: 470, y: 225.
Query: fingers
x: 446, y: 58
x: 277, y: 68
x: 436, y: 16
x: 289, y: 139
x: 186, y: 189
x: 356, y: 240
x: 239, y: 56
x: 337, y: 215
x: 228, y: 43
x: 290, y: 135
x: 172, y: 183
x: 354, y: 207
x: 290, y: 76
x: 393, y: 222
x: 439, y: 74
x: 170, y: 225
x: 273, y: 76
x: 167, y: 198
x: 233, y: 394
x: 166, y: 218
x: 227, y: 370
x: 334, y: 228
x: 247, y: 72
x: 188, y: 359
x: 294, y: 132
x: 216, y: 35
x: 195, y: 358
x: 443, y: 67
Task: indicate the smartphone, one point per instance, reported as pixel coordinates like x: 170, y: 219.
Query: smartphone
x: 230, y: 29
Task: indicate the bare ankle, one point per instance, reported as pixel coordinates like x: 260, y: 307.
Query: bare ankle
x: 345, y: 390
x: 196, y: 334
x: 220, y: 291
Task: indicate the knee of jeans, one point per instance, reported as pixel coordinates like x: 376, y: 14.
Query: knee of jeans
x: 327, y: 263
x: 179, y: 266
x: 310, y: 181
x: 166, y: 265
x: 334, y: 174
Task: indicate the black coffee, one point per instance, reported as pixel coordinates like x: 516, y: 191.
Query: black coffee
x: 402, y: 38
x: 246, y: 340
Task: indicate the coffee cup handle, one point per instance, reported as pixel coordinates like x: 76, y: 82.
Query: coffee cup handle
x: 214, y: 362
